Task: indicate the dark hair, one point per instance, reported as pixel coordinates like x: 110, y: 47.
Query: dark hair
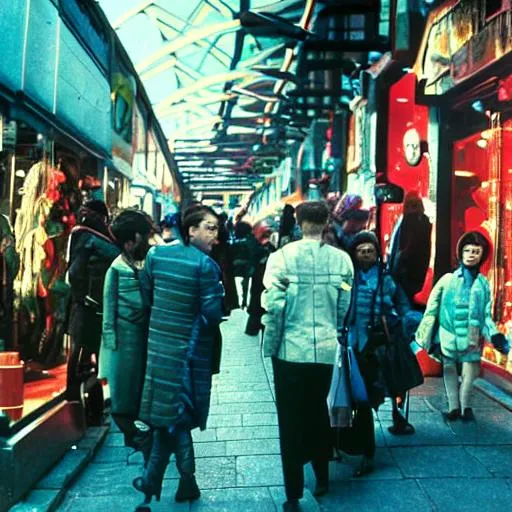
x: 315, y: 212
x: 127, y: 224
x: 242, y: 229
x: 97, y: 206
x: 474, y: 238
x: 364, y: 237
x: 287, y: 221
x: 192, y: 217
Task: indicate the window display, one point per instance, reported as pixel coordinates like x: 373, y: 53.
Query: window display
x: 42, y: 185
x: 481, y: 182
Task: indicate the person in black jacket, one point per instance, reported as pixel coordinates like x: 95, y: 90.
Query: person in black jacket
x: 91, y: 251
x: 410, y: 247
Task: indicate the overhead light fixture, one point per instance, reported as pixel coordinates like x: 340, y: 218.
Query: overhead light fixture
x: 464, y: 174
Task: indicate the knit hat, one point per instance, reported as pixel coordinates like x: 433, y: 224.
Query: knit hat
x: 365, y: 237
x: 350, y: 207
x: 474, y: 238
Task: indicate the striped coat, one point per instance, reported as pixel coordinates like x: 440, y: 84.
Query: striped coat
x: 182, y: 286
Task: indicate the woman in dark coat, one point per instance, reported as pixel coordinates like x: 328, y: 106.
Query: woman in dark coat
x: 181, y: 284
x: 92, y: 249
x: 411, y: 246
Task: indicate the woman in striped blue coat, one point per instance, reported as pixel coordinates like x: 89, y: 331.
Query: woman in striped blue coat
x: 181, y: 284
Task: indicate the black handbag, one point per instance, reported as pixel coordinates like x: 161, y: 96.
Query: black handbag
x: 349, y: 439
x: 400, y: 367
x: 398, y: 364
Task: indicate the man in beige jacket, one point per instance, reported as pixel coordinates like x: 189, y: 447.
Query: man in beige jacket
x: 308, y: 290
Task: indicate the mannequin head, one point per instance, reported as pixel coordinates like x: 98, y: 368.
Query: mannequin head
x: 472, y: 249
x: 472, y: 255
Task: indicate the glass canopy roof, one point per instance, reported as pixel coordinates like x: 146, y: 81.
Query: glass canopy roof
x: 200, y: 70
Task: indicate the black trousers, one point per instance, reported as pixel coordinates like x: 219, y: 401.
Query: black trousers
x: 365, y: 432
x: 304, y: 430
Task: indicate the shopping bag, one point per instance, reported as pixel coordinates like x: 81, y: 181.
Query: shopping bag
x: 339, y: 401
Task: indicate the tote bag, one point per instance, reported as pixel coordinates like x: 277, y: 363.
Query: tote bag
x: 339, y: 401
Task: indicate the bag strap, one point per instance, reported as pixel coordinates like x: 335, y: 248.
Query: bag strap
x: 379, y: 290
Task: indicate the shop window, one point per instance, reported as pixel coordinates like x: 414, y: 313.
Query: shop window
x: 34, y: 293
x: 481, y: 191
x: 354, y: 27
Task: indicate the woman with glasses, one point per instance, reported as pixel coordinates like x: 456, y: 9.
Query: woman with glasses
x: 375, y: 296
x: 181, y: 284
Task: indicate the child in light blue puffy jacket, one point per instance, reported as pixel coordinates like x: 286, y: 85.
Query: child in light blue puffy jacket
x: 458, y: 318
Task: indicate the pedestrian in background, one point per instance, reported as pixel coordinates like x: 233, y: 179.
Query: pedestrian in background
x: 221, y: 253
x: 375, y: 295
x: 289, y: 231
x: 181, y: 284
x: 458, y: 318
x: 308, y: 288
x: 170, y: 228
x: 260, y: 249
x: 241, y: 256
x: 347, y: 219
x: 410, y: 246
x: 92, y: 249
x: 124, y: 338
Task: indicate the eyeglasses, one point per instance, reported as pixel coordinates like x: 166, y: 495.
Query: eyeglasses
x: 365, y: 250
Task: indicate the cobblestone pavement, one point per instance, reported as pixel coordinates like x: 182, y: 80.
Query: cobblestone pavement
x: 457, y: 467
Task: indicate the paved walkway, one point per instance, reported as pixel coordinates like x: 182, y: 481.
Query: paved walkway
x: 459, y: 467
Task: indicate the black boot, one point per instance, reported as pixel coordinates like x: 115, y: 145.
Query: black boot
x: 142, y: 442
x: 142, y: 485
x: 291, y: 506
x: 187, y: 489
x: 151, y: 482
x: 186, y: 464
x: 365, y: 467
x: 452, y: 415
x: 400, y: 427
x: 468, y: 415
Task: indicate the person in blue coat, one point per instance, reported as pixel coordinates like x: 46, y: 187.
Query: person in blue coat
x: 374, y: 295
x: 182, y: 286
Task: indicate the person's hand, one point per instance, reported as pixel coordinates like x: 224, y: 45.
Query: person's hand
x: 500, y: 343
x: 5, y: 243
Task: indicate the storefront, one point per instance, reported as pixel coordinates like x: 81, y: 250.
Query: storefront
x: 464, y: 73
x: 56, y: 134
x: 410, y: 148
